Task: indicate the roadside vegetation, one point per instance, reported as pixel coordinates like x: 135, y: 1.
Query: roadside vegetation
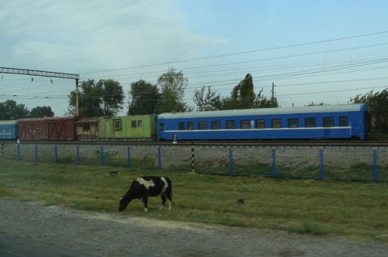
x: 357, y: 210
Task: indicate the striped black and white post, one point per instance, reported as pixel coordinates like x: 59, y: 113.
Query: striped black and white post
x: 192, y: 158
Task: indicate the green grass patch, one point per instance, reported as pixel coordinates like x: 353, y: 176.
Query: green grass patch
x: 356, y: 210
x: 311, y: 228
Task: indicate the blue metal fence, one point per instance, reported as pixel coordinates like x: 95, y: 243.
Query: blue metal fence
x: 278, y: 162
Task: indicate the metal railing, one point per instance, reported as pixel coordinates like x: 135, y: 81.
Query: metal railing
x: 342, y: 163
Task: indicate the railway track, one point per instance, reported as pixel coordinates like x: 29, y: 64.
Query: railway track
x: 264, y: 143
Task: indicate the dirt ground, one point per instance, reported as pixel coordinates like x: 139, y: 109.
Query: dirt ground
x: 115, y: 235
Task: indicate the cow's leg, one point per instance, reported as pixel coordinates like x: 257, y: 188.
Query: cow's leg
x: 163, y: 201
x: 145, y: 201
x: 169, y: 197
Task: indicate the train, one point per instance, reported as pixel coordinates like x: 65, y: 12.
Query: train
x: 310, y: 122
x: 9, y: 129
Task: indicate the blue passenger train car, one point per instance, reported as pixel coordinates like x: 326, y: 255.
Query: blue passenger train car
x: 9, y: 130
x: 311, y: 122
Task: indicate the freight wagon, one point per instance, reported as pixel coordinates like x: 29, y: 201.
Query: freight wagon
x: 55, y: 128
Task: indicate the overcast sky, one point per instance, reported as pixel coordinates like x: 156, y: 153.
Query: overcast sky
x: 314, y: 51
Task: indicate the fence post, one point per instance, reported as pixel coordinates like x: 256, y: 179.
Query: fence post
x: 159, y: 159
x: 36, y: 153
x: 375, y: 166
x: 102, y: 155
x: 78, y: 156
x: 18, y: 150
x: 321, y: 165
x: 129, y: 157
x: 192, y: 158
x: 2, y: 149
x: 273, y: 162
x: 55, y: 154
x: 231, y: 173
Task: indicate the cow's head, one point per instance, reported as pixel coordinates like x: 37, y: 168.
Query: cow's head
x: 123, y: 203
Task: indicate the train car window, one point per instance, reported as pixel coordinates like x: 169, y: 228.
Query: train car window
x: 230, y: 124
x: 260, y: 124
x: 216, y: 124
x: 328, y: 122
x: 309, y: 122
x: 190, y: 125
x: 161, y: 126
x: 202, y: 125
x: 133, y: 124
x: 343, y: 121
x: 139, y: 123
x: 276, y: 123
x: 116, y: 125
x: 293, y: 123
x: 245, y: 124
x: 181, y: 126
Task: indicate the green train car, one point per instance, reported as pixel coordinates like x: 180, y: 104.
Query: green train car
x: 135, y: 127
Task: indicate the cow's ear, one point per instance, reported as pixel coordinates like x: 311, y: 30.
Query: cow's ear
x: 121, y: 198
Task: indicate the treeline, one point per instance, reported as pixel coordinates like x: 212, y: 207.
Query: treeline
x: 10, y: 110
x: 106, y: 97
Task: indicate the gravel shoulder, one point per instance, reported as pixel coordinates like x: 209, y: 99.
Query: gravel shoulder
x: 116, y: 235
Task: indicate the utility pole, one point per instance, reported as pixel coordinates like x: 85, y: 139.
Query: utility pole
x: 76, y: 97
x: 273, y: 90
x: 48, y: 74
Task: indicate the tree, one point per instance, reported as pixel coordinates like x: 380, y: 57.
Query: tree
x: 209, y: 102
x: 173, y: 85
x: 316, y: 104
x: 40, y: 112
x: 88, y: 100
x: 242, y: 95
x: 262, y: 102
x: 4, y: 114
x: 9, y: 110
x: 104, y: 98
x: 112, y: 96
x: 378, y: 109
x: 144, y: 98
x: 228, y: 103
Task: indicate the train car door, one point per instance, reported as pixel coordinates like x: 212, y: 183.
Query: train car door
x: 139, y: 129
x: 161, y: 133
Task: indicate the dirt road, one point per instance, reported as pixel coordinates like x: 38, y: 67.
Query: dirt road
x: 113, y: 235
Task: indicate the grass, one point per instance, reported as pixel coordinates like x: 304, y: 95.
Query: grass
x: 354, y: 210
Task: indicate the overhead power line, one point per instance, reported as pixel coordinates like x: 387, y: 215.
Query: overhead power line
x: 243, y: 52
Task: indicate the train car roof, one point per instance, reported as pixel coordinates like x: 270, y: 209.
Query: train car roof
x: 128, y: 116
x: 8, y: 122
x: 87, y: 120
x: 50, y: 118
x: 267, y: 111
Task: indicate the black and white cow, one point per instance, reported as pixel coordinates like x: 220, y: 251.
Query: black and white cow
x: 142, y: 187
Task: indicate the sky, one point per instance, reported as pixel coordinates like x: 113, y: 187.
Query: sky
x: 321, y: 51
